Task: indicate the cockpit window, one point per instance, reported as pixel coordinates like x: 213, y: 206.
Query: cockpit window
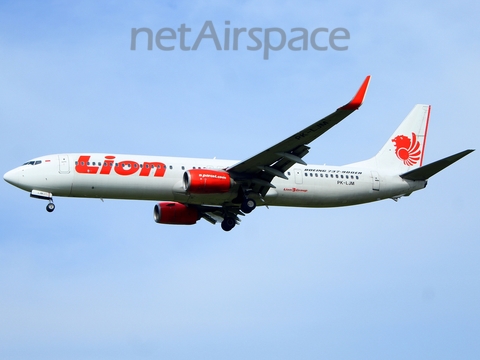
x: 33, y: 162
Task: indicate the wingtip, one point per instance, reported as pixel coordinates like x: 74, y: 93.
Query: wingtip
x: 357, y: 100
x: 466, y: 152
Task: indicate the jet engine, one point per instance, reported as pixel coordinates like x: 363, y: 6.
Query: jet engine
x: 175, y: 213
x: 204, y: 181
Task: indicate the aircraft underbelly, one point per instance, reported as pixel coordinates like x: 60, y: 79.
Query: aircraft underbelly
x: 116, y: 187
x: 338, y: 192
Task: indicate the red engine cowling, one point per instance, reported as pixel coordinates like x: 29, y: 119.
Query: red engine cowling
x: 204, y: 181
x: 174, y: 213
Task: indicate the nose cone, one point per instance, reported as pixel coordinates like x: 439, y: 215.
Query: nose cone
x: 12, y: 177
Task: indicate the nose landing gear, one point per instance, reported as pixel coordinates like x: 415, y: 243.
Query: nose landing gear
x: 50, y: 206
x: 43, y: 195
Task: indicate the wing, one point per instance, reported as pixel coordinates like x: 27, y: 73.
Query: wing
x: 258, y: 171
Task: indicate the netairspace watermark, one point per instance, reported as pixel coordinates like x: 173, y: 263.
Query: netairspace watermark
x: 274, y: 38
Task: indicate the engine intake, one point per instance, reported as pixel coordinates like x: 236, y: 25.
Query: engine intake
x: 175, y: 213
x: 204, y: 181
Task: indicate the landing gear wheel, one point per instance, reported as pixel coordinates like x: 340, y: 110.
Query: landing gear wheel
x: 248, y: 205
x: 50, y: 207
x: 228, y: 224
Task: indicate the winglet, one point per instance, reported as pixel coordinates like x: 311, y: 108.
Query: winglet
x: 357, y: 100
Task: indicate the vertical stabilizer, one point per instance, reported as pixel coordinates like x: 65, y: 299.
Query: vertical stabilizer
x: 404, y: 150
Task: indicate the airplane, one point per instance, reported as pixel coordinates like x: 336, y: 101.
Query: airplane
x: 190, y: 189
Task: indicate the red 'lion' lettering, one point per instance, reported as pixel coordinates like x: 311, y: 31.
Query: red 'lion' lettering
x: 107, y: 165
x: 147, y: 167
x: 123, y: 168
x: 126, y: 168
x: 83, y: 166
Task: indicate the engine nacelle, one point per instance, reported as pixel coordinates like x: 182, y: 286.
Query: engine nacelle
x: 174, y: 213
x: 204, y: 181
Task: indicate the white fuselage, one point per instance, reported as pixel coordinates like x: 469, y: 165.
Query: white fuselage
x: 161, y: 178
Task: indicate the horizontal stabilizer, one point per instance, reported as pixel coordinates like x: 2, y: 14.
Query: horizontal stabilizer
x: 427, y: 171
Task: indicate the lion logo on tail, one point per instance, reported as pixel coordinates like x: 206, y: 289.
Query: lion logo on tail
x: 407, y: 150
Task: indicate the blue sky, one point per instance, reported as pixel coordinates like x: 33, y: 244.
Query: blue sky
x: 100, y: 280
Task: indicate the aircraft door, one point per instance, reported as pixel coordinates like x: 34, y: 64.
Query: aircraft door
x: 375, y: 181
x: 63, y: 164
x: 298, y: 176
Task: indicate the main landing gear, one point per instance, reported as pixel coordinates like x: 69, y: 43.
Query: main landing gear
x: 228, y: 223
x: 248, y: 205
x: 230, y: 219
